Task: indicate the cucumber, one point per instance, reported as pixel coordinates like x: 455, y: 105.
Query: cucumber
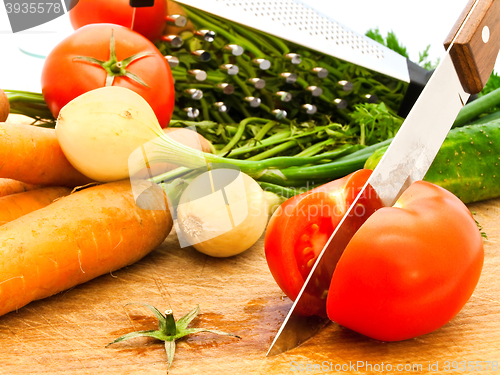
x: 467, y: 164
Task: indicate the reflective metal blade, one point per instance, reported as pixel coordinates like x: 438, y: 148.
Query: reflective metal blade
x: 298, y: 327
x: 407, y: 160
x: 416, y: 144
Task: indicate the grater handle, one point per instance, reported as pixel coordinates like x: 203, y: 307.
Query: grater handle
x: 141, y: 3
x: 475, y: 49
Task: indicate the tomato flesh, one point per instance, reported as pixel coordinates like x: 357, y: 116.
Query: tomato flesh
x: 301, y: 227
x: 310, y: 244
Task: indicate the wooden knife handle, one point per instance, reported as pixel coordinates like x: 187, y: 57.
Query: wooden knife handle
x: 474, y: 50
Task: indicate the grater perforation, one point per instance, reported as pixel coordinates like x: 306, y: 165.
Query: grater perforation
x: 301, y: 28
x: 289, y: 9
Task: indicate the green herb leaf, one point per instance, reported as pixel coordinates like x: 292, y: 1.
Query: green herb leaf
x: 376, y: 122
x: 492, y: 84
x: 151, y: 333
x: 155, y: 311
x: 393, y: 43
x: 183, y: 322
x: 170, y: 349
x: 390, y: 41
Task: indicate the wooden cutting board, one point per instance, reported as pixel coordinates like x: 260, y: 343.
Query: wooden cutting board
x: 67, y: 333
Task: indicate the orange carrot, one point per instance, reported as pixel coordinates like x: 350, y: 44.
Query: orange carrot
x: 77, y: 238
x: 16, y: 205
x: 32, y: 154
x: 9, y: 186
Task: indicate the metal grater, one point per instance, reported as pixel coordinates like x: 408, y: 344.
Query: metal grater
x: 301, y: 24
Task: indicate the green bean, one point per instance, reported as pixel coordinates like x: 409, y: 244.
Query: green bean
x: 195, y: 17
x: 485, y: 119
x: 279, y: 190
x: 239, y: 133
x: 275, y: 139
x: 315, y: 148
x: 477, y: 107
x: 204, y: 109
x: 275, y: 150
x: 255, y: 38
x: 327, y: 171
x: 263, y: 131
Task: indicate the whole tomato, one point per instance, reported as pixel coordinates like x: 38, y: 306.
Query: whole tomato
x: 148, y: 21
x: 410, y: 268
x: 301, y: 227
x: 100, y: 55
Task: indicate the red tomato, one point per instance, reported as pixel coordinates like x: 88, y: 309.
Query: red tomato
x: 301, y: 226
x: 148, y: 21
x: 65, y: 76
x: 410, y: 268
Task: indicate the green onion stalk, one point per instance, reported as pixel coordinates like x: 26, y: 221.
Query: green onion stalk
x: 32, y: 105
x: 164, y: 149
x: 282, y: 176
x: 308, y: 167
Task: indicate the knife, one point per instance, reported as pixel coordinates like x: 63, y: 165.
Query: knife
x: 472, y: 47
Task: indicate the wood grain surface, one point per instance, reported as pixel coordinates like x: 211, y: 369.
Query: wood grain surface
x: 67, y: 333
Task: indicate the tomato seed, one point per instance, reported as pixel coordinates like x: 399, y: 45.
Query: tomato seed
x: 307, y: 251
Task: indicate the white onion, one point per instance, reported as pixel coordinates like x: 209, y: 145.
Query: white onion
x: 99, y: 130
x: 222, y: 213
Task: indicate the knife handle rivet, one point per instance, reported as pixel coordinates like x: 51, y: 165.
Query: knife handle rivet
x: 486, y: 34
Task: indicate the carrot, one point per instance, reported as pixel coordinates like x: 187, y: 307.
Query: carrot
x: 9, y: 186
x: 77, y: 238
x: 16, y: 205
x: 32, y: 154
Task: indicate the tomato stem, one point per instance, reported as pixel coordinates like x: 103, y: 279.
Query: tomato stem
x: 115, y: 68
x: 169, y: 330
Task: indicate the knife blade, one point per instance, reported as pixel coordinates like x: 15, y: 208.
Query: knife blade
x: 472, y: 48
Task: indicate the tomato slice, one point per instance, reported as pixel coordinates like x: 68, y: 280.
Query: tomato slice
x: 301, y: 226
